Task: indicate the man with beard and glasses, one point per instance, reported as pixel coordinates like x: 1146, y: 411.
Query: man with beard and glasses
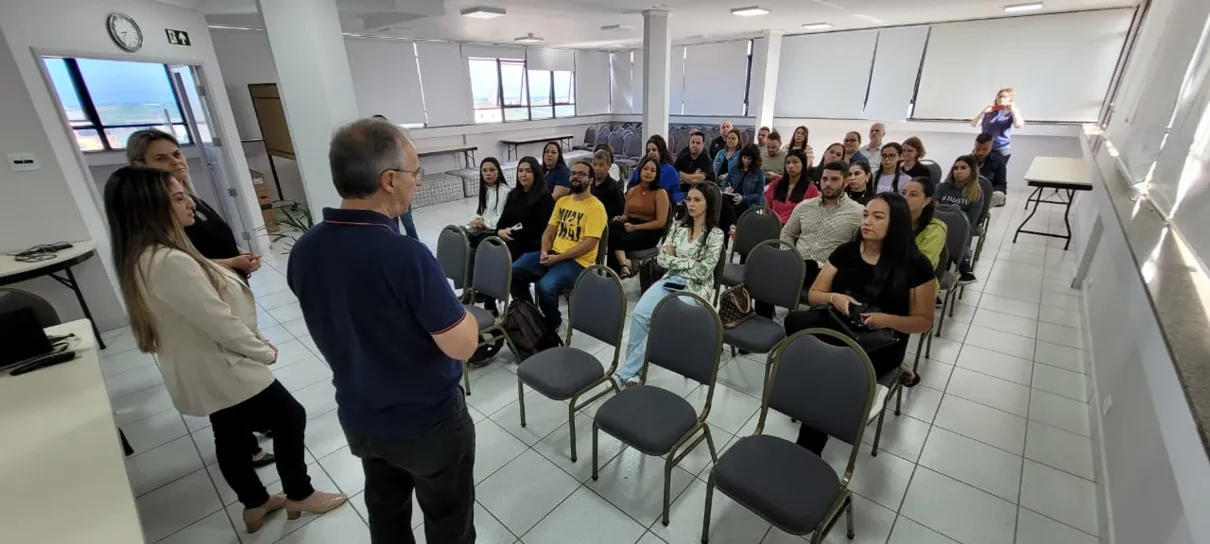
x: 820, y: 225
x: 569, y: 245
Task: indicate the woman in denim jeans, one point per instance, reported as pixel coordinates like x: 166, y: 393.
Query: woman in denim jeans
x: 689, y: 253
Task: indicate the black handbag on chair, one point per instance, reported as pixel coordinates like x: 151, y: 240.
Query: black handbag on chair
x: 870, y: 340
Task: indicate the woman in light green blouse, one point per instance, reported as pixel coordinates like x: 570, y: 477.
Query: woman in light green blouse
x: 930, y: 231
x: 689, y: 253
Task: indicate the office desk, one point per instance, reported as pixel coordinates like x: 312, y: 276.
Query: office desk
x: 13, y: 271
x: 61, y: 465
x: 1065, y: 176
x: 467, y: 151
x: 511, y: 144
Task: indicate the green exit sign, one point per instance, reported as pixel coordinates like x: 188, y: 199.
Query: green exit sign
x: 178, y: 37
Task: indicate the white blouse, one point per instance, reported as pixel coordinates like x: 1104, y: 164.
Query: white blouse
x: 494, y: 206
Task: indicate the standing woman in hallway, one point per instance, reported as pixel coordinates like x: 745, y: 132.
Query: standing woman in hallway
x: 208, y: 233
x: 199, y: 320
x: 554, y: 170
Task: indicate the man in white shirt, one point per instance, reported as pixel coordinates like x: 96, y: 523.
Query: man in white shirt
x: 873, y: 150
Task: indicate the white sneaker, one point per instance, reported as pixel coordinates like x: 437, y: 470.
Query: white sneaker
x: 998, y: 199
x: 633, y: 381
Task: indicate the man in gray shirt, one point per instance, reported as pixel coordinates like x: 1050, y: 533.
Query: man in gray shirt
x: 819, y: 225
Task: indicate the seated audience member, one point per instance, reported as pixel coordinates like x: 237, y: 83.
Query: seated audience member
x: 526, y: 210
x: 961, y: 191
x: 199, y: 319
x: 800, y: 141
x: 727, y: 159
x: 884, y: 271
x: 772, y: 157
x: 604, y: 186
x: 852, y: 148
x: 493, y: 193
x: 890, y: 177
x: 761, y: 135
x: 555, y: 171
x: 689, y: 254
x: 913, y: 151
x: 614, y: 171
x: 693, y: 165
x: 569, y: 245
x: 820, y: 225
x: 794, y: 187
x: 670, y: 180
x: 834, y: 152
x: 992, y: 166
x: 873, y: 150
x: 860, y: 186
x: 642, y: 222
x: 719, y: 142
x: 930, y: 231
x: 745, y: 187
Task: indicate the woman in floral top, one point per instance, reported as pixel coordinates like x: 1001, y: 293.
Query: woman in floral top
x: 689, y: 253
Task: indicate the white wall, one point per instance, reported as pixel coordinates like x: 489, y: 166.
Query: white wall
x: 78, y: 29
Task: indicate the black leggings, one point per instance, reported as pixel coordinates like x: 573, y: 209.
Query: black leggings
x: 885, y: 360
x: 274, y: 409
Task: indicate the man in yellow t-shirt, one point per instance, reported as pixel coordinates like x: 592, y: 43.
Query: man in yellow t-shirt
x: 569, y: 245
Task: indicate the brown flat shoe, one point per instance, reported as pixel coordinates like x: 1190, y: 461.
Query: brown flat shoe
x: 318, y: 503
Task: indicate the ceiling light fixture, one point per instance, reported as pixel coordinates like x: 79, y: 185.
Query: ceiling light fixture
x: 1022, y: 8
x: 817, y: 26
x: 528, y: 38
x: 483, y: 13
x: 617, y: 27
x: 750, y: 11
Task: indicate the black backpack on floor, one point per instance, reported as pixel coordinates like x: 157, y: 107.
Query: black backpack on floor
x: 527, y: 331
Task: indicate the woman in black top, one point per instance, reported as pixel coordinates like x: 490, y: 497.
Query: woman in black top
x: 913, y: 151
x: 209, y: 234
x: 529, y: 206
x: 859, y: 186
x: 554, y: 170
x: 604, y: 186
x: 885, y: 273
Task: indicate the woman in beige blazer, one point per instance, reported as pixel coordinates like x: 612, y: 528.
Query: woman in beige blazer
x: 199, y: 319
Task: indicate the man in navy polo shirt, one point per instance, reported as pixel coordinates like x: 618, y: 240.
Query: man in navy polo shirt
x: 384, y: 317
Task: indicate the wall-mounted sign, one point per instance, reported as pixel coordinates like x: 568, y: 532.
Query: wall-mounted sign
x: 178, y: 37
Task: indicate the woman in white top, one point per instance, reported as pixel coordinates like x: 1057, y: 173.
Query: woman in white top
x: 493, y: 191
x: 199, y: 319
x: 891, y: 178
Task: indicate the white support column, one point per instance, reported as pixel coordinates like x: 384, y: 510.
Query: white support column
x: 657, y: 46
x: 315, y: 85
x: 764, y: 78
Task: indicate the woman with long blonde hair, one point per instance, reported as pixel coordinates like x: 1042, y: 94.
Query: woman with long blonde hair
x: 199, y: 319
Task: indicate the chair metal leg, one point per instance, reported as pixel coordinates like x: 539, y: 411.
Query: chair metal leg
x: 594, y: 450
x: 951, y: 304
x: 521, y: 399
x: 571, y: 423
x: 849, y: 516
x: 710, y: 444
x: 928, y: 348
x: 941, y: 319
x: 899, y: 401
x: 466, y: 380
x: 706, y: 514
x: 961, y: 292
x: 668, y: 463
x: 878, y: 430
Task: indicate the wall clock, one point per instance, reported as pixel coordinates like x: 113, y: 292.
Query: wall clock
x: 125, y: 32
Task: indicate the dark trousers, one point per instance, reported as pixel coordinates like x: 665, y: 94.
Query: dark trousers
x: 549, y: 280
x: 884, y: 360
x: 273, y: 409
x: 812, y: 271
x: 439, y: 464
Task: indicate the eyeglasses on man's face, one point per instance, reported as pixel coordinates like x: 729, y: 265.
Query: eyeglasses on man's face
x: 417, y: 173
x: 580, y: 174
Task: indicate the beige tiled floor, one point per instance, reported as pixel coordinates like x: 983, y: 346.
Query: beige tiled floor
x: 993, y: 447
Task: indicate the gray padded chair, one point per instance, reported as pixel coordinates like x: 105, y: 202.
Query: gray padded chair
x: 15, y: 299
x: 957, y: 238
x: 756, y: 225
x: 774, y: 276
x: 935, y: 172
x: 492, y: 278
x: 985, y: 218
x: 598, y: 309
x: 454, y: 256
x: 654, y: 420
x: 830, y: 388
x: 590, y: 138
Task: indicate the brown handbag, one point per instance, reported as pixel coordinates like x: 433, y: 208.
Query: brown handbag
x: 735, y: 306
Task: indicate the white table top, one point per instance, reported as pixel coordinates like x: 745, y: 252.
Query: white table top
x: 9, y: 266
x: 61, y: 464
x: 1059, y: 170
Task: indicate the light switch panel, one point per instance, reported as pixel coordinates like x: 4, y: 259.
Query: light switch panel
x: 23, y: 162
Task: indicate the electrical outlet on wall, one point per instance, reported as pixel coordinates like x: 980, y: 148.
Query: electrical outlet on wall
x: 23, y: 162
